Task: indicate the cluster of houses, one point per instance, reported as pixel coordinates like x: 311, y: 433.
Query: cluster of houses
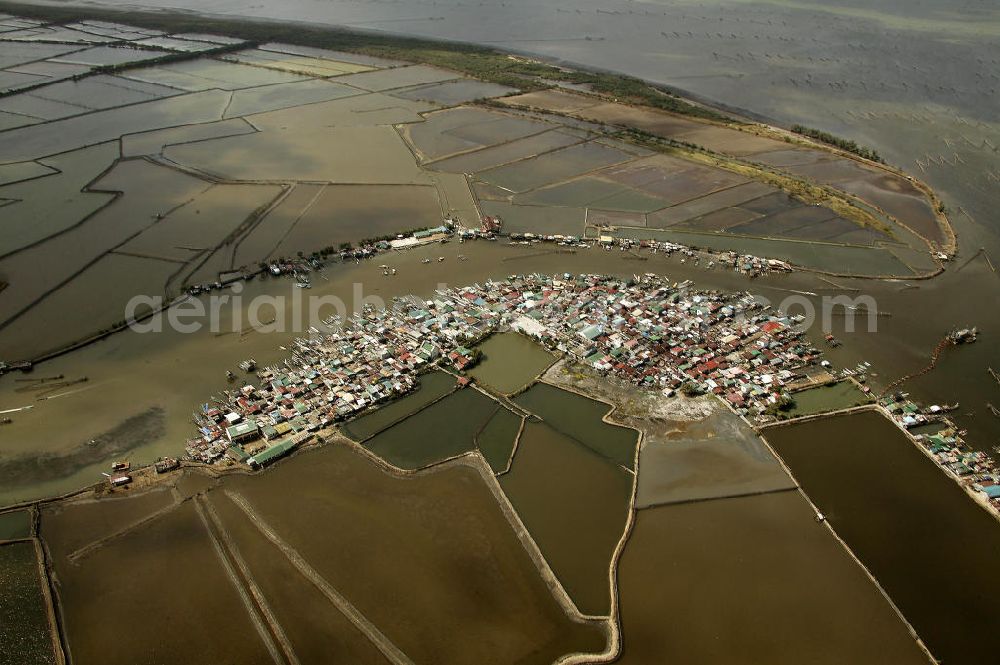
x: 656, y: 335
x: 973, y: 468
x: 665, y: 337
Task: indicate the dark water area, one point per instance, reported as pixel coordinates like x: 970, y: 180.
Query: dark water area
x: 932, y: 549
x: 433, y: 385
x: 496, y: 440
x: 444, y: 429
x: 580, y: 418
x: 430, y: 559
x: 162, y: 591
x: 24, y: 625
x: 802, y: 599
x: 15, y: 525
x: 510, y: 362
x: 575, y: 505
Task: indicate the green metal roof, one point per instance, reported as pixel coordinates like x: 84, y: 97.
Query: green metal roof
x: 274, y: 452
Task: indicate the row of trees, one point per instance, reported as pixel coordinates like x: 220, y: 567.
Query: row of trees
x: 837, y: 142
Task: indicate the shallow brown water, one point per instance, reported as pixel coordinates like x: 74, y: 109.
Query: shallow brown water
x: 746, y: 581
x: 168, y: 567
x: 908, y: 522
x: 510, y: 362
x: 575, y: 505
x: 428, y: 559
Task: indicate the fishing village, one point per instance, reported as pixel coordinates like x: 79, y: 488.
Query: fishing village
x: 385, y: 349
x: 646, y: 332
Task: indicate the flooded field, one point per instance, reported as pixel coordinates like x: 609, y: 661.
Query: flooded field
x: 841, y: 395
x: 553, y: 166
x: 69, y: 527
x: 465, y: 129
x: 313, y: 626
x: 433, y: 386
x: 581, y: 419
x: 860, y: 469
x: 512, y: 151
x: 497, y: 439
x: 510, y: 362
x: 431, y: 560
x: 169, y: 561
x: 575, y: 505
x: 53, y: 202
x: 810, y: 602
x: 441, y: 431
x: 117, y: 277
x: 348, y: 213
x: 24, y: 622
x: 15, y: 525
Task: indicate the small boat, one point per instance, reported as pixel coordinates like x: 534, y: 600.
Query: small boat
x: 440, y: 259
x: 230, y: 376
x: 121, y: 466
x: 426, y: 261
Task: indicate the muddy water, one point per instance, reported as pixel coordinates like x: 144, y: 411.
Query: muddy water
x: 15, y: 525
x: 802, y: 598
x: 429, y: 559
x: 315, y: 627
x: 932, y: 549
x: 24, y: 625
x: 827, y: 398
x: 510, y: 362
x: 442, y: 430
x: 575, y: 504
x: 433, y: 385
x: 580, y: 418
x: 171, y: 565
x: 131, y: 373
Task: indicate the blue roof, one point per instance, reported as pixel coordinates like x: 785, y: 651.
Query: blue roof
x: 993, y: 491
